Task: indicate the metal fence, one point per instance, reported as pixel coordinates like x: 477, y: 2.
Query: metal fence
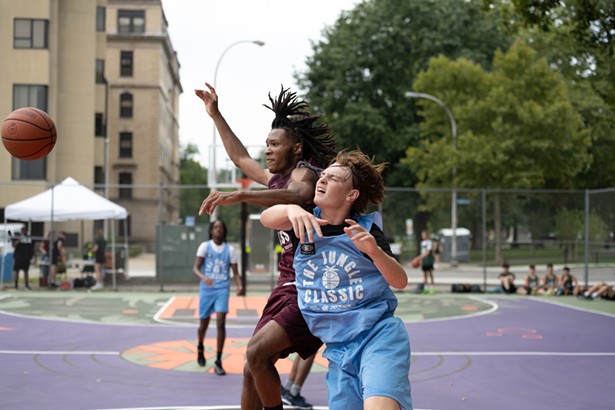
x: 518, y: 227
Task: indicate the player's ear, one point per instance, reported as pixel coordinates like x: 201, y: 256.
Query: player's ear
x: 353, y: 195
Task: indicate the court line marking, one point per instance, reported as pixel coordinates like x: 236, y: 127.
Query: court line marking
x: 581, y: 309
x: 493, y: 308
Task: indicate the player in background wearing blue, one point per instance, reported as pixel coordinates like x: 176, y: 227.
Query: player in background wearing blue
x: 215, y: 259
x: 344, y: 274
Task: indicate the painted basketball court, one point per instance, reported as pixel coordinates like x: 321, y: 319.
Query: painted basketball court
x: 115, y: 350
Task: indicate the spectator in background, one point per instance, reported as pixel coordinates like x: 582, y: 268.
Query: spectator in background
x: 549, y: 282
x: 427, y: 263
x: 531, y: 283
x: 100, y: 257
x: 22, y: 255
x: 507, y: 280
x: 599, y: 290
x: 568, y: 284
x: 57, y: 258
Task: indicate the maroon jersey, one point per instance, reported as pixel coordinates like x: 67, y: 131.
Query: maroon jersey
x: 287, y: 239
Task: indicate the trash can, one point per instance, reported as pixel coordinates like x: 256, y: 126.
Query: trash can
x: 463, y: 237
x: 6, y: 267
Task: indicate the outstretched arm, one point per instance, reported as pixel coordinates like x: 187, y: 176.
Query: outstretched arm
x: 233, y: 146
x: 300, y: 191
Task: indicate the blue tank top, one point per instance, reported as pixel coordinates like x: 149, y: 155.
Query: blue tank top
x: 341, y: 293
x: 217, y: 266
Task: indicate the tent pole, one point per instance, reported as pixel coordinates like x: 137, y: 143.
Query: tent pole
x: 113, y: 253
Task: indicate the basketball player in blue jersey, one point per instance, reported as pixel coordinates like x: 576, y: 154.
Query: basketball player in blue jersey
x: 297, y: 149
x: 345, y: 269
x: 214, y: 261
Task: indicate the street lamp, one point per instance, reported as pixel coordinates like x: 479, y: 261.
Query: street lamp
x: 412, y: 94
x: 211, y: 178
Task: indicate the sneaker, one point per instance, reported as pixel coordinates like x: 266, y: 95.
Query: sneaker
x: 218, y: 368
x: 431, y: 291
x: 97, y: 286
x: 200, y: 357
x: 285, y: 396
x: 28, y: 288
x: 297, y: 401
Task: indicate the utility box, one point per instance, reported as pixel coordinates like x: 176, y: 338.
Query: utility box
x: 176, y: 247
x: 260, y: 246
x: 464, y: 242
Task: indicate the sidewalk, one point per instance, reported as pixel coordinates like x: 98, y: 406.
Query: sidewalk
x: 142, y: 274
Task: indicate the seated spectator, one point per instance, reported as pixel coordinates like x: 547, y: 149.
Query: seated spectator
x: 599, y: 290
x: 568, y: 284
x: 549, y: 282
x: 507, y: 280
x: 531, y: 283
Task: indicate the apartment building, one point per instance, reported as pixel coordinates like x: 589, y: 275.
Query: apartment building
x: 107, y: 73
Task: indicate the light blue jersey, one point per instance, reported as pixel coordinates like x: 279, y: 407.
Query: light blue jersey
x: 216, y: 266
x: 339, y: 285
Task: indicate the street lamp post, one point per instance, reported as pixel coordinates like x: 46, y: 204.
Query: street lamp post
x: 412, y: 94
x: 211, y: 178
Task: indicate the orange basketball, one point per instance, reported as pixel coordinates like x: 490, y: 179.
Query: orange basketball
x: 416, y: 262
x: 28, y: 133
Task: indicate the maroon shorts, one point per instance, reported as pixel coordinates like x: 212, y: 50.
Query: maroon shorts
x: 283, y: 308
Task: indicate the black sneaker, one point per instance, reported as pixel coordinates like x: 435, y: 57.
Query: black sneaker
x: 28, y: 288
x: 297, y: 401
x: 200, y: 357
x: 218, y: 368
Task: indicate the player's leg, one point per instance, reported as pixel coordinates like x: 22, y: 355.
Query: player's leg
x: 291, y: 394
x: 200, y: 355
x: 221, y: 330
x: 263, y: 351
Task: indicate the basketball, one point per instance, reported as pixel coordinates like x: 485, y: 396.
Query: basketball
x: 416, y: 262
x: 28, y: 133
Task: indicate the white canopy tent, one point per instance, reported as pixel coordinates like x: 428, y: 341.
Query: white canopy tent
x: 67, y: 201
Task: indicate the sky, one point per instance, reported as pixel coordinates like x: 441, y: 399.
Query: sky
x: 201, y: 31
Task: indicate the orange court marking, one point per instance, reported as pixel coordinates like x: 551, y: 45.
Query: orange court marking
x: 236, y: 303
x: 469, y: 308
x: 130, y: 311
x: 181, y: 355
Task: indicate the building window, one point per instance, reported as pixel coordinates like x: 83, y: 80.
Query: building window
x: 30, y: 33
x: 99, y: 176
x: 99, y: 124
x: 126, y: 105
x: 100, y: 71
x: 29, y: 96
x: 130, y: 21
x: 125, y: 144
x: 125, y: 185
x: 101, y: 18
x: 126, y: 63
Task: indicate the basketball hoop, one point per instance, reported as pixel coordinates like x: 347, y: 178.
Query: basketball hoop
x: 244, y: 182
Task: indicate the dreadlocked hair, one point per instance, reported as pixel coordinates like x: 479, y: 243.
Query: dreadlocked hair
x: 293, y: 116
x: 366, y: 178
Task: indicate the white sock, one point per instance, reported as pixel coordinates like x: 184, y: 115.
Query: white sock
x: 295, y: 389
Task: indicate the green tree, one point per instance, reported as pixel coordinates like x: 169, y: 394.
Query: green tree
x: 191, y: 173
x: 517, y: 126
x: 369, y: 58
x: 576, y: 38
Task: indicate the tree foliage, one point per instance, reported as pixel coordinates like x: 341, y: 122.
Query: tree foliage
x: 576, y: 38
x: 369, y: 58
x: 517, y: 126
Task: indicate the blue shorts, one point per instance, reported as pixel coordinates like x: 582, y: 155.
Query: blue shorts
x: 211, y: 301
x: 375, y: 363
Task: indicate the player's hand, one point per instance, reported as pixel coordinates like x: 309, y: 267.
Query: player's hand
x: 363, y: 240
x: 304, y: 224
x: 217, y: 198
x: 210, y: 98
x: 208, y: 281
